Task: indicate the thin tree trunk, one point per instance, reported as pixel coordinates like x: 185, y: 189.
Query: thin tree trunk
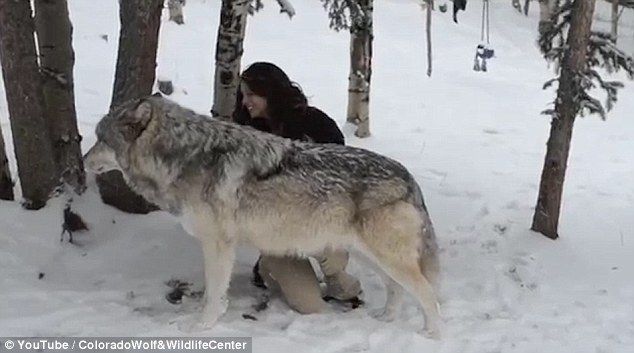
x: 138, y: 42
x: 229, y: 49
x: 361, y: 36
x: 526, y: 6
x: 430, y: 4
x: 36, y: 166
x: 546, y: 218
x: 54, y: 34
x: 175, y: 8
x: 6, y: 184
x: 615, y: 19
x: 134, y: 78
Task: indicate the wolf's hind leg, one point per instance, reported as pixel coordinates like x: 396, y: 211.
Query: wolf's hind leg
x: 393, y: 302
x: 392, y: 237
x: 412, y: 279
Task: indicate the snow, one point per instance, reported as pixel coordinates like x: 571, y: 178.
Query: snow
x: 474, y: 140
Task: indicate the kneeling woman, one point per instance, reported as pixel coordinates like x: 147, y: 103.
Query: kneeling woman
x: 268, y: 101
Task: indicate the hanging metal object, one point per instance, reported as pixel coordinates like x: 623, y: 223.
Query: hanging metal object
x: 483, y: 51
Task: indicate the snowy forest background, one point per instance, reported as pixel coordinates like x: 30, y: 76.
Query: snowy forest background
x: 474, y: 140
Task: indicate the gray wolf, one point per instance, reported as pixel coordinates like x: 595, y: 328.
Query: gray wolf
x: 229, y: 183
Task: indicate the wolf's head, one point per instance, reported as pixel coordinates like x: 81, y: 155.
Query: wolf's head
x: 117, y: 132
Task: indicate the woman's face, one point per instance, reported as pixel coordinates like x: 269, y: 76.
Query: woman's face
x: 256, y: 105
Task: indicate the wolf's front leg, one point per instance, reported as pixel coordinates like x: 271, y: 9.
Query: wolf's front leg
x: 219, y: 257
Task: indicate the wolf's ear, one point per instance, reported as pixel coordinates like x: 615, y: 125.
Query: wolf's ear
x: 138, y: 120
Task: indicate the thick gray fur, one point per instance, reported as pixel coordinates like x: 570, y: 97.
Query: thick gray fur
x: 232, y: 183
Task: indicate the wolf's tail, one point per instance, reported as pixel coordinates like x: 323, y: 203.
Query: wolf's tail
x: 428, y: 253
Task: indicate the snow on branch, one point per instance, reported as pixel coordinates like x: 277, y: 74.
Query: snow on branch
x: 346, y: 14
x: 602, y: 52
x: 550, y: 82
x: 285, y: 7
x: 590, y: 105
x: 255, y: 6
x: 560, y: 21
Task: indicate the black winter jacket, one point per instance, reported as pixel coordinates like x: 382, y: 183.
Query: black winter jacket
x: 314, y: 126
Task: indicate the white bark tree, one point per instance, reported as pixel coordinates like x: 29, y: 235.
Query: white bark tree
x: 229, y: 49
x: 361, y: 36
x: 356, y: 15
x: 615, y: 19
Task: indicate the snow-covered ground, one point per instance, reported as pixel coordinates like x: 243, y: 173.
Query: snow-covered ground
x: 474, y: 140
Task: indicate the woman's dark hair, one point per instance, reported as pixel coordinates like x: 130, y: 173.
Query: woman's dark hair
x: 285, y: 99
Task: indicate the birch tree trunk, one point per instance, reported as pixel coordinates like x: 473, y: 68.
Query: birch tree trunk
x: 546, y: 217
x: 134, y: 78
x: 36, y: 166
x: 229, y: 49
x: 54, y: 34
x: 175, y: 8
x: 615, y: 19
x: 361, y: 36
x: 6, y: 184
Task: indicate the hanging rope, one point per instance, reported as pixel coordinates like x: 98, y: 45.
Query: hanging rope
x: 483, y: 52
x: 485, y: 16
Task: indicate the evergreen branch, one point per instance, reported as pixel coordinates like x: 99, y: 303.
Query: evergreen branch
x: 602, y: 52
x: 286, y: 7
x: 586, y: 79
x: 550, y: 82
x: 255, y: 6
x: 610, y: 87
x: 347, y: 14
x: 590, y: 105
x: 555, y: 27
x: 550, y: 112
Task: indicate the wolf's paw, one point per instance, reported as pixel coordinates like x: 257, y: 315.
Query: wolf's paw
x: 383, y: 314
x: 433, y: 334
x: 212, y: 312
x: 433, y: 328
x: 198, y: 323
